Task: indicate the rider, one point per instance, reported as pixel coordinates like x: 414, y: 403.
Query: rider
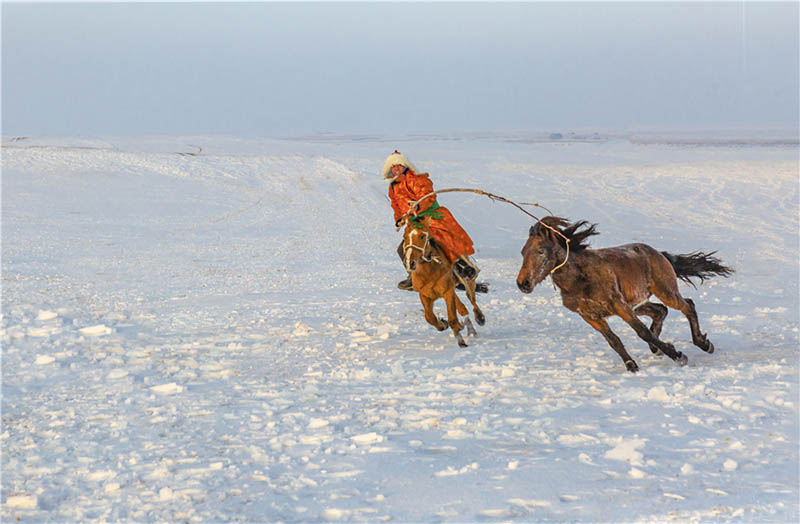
x: 406, y: 185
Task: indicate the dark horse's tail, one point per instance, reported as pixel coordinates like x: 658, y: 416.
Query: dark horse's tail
x: 697, y: 264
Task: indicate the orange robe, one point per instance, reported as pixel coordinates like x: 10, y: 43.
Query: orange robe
x: 444, y: 228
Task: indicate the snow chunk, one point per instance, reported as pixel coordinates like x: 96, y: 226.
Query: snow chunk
x: 96, y: 331
x: 456, y: 434
x: 658, y: 394
x: 167, y: 389
x: 45, y: 331
x: 101, y: 475
x: 764, y: 310
x: 627, y: 451
x: 368, y: 438
x: 301, y: 330
x: 316, y: 423
x: 580, y: 439
x: 44, y: 359
x: 361, y: 374
x: 116, y: 373
x: 451, y: 471
x: 22, y: 501
x: 46, y: 315
x: 333, y: 514
x: 529, y: 503
x: 730, y: 465
x: 637, y: 473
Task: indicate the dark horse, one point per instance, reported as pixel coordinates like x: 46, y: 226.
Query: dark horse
x: 598, y: 283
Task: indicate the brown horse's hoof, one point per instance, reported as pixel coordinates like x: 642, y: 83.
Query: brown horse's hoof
x: 632, y: 366
x: 480, y: 318
x: 462, y: 344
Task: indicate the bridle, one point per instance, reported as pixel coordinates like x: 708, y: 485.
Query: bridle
x: 410, y: 246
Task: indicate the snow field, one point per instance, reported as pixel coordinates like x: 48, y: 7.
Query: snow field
x: 218, y: 337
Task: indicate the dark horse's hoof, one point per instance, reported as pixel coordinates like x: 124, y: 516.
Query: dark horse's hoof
x: 480, y: 318
x: 462, y: 344
x: 710, y: 348
x: 681, y: 360
x: 631, y: 365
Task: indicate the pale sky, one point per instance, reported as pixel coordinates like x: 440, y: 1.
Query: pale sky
x: 281, y: 69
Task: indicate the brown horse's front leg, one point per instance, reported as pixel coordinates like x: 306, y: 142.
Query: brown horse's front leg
x: 469, y: 287
x: 452, y: 315
x: 613, y: 340
x: 430, y: 316
x: 626, y: 313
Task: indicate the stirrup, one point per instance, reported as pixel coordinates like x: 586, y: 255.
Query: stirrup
x: 461, y: 280
x: 462, y: 264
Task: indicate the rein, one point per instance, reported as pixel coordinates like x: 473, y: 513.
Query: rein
x: 415, y: 204
x: 406, y: 247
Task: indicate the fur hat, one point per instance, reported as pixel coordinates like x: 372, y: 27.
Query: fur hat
x: 396, y: 159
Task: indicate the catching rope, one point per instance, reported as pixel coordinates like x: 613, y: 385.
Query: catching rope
x: 415, y: 204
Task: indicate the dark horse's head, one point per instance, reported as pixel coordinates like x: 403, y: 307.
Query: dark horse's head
x: 545, y: 249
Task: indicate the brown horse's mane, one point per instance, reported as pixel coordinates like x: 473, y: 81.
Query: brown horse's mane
x: 578, y: 239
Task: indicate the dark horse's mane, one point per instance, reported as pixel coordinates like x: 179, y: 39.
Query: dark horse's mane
x: 578, y: 240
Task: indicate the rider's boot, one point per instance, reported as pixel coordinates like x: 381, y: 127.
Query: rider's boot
x: 406, y: 284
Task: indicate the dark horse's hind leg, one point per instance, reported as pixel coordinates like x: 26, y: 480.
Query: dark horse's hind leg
x: 699, y: 339
x: 658, y: 313
x: 613, y: 340
x: 672, y: 298
x: 627, y: 314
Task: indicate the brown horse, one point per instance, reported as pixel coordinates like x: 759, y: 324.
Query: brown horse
x: 432, y: 277
x: 598, y: 283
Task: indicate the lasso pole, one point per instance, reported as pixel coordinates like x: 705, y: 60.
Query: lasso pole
x: 414, y: 205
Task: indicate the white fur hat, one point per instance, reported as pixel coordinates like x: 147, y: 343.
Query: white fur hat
x: 396, y: 159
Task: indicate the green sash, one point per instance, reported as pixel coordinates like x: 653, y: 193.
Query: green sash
x: 430, y: 212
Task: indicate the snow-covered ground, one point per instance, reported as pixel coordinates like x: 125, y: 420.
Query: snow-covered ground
x: 208, y: 329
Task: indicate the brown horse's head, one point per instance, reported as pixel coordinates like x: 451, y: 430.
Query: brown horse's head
x: 417, y: 247
x: 546, y: 248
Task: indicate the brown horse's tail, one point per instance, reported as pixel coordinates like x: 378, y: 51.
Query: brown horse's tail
x: 697, y: 264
